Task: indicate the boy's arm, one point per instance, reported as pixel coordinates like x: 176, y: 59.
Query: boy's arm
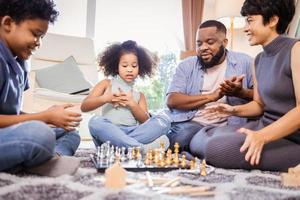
x: 56, y: 115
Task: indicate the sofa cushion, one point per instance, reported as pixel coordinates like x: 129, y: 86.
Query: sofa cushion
x: 65, y: 77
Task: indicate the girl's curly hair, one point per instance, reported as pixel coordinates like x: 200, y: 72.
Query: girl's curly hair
x: 109, y: 59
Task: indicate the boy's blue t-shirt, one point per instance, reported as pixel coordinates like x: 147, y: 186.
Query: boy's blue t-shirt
x: 13, y: 81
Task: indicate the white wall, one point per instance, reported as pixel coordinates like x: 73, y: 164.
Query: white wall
x: 72, y: 18
x: 240, y: 42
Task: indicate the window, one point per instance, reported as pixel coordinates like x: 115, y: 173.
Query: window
x: 156, y: 25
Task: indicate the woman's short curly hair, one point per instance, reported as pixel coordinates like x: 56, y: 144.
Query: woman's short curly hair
x: 20, y: 10
x: 110, y: 58
x: 284, y: 9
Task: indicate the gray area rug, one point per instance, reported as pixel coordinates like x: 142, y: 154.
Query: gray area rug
x: 88, y: 184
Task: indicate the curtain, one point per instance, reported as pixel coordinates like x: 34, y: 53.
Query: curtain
x: 192, y: 11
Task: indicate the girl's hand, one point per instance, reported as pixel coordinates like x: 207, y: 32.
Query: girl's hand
x: 253, y: 144
x: 127, y: 99
x: 218, y: 111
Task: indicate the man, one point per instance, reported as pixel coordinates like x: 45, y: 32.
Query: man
x: 214, y: 76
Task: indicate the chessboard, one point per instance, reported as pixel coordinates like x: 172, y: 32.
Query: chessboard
x: 132, y: 159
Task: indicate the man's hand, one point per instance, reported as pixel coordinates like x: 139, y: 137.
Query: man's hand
x: 60, y: 117
x: 216, y: 95
x: 232, y: 86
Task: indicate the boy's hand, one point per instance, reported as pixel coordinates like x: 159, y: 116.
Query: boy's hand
x: 233, y: 86
x: 61, y: 117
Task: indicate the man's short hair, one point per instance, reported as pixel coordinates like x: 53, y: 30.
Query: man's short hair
x: 214, y: 23
x: 20, y: 10
x: 284, y: 9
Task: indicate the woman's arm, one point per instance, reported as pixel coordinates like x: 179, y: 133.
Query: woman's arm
x: 100, y: 95
x: 284, y: 126
x: 290, y: 122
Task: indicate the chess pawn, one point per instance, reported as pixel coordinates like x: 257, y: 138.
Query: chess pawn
x: 156, y: 156
x: 176, y: 148
x: 129, y: 153
x: 183, y: 161
x: 176, y: 160
x: 192, y: 165
x: 147, y: 160
x: 203, y: 168
x: 138, y: 153
x: 169, y: 157
x: 123, y: 157
x: 151, y: 155
x: 139, y: 157
x: 133, y: 153
x: 162, y: 162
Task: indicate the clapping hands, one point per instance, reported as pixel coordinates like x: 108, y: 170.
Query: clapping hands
x: 232, y: 86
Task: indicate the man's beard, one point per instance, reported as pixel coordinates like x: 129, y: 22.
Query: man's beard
x: 215, y: 60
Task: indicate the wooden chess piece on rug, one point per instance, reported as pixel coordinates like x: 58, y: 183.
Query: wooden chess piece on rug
x: 292, y: 178
x: 203, y: 168
x: 115, y: 176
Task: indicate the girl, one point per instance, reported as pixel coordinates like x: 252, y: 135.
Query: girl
x: 272, y: 142
x: 125, y: 119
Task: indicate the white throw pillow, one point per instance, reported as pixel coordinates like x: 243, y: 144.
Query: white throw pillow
x: 65, y: 77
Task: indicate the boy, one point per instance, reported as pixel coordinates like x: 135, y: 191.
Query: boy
x: 27, y: 139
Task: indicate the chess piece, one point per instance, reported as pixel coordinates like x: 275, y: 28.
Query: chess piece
x: 176, y: 160
x: 292, y: 178
x: 156, y: 156
x: 138, y: 153
x: 129, y: 153
x: 133, y: 153
x: 115, y: 176
x: 147, y: 160
x: 162, y: 162
x: 169, y: 157
x: 183, y: 161
x: 192, y: 165
x: 176, y: 147
x: 123, y: 157
x: 203, y: 168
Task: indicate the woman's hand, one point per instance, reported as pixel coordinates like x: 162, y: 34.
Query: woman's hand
x: 218, y: 111
x: 253, y: 145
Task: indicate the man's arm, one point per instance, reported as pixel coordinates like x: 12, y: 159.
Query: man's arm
x: 186, y: 102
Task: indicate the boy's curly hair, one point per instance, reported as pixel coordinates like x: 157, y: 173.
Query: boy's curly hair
x: 110, y: 58
x: 20, y: 10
